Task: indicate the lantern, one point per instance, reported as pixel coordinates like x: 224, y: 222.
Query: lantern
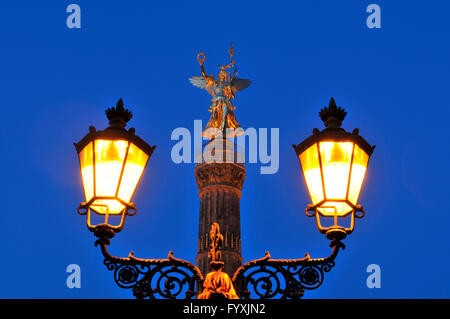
x: 112, y: 163
x: 334, y: 164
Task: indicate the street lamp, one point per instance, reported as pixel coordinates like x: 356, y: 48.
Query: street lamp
x: 112, y: 162
x: 334, y: 164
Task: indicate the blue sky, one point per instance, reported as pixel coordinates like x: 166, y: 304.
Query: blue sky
x: 393, y: 82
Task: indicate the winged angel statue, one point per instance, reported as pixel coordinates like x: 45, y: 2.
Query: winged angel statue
x: 223, y: 89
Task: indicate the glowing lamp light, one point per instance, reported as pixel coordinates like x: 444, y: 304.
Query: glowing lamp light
x: 112, y: 163
x: 334, y: 164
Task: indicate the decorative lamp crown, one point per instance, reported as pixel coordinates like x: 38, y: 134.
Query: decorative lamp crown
x: 332, y: 116
x: 118, y: 116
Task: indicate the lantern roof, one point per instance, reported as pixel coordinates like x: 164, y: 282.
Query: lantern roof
x: 332, y: 116
x: 118, y: 117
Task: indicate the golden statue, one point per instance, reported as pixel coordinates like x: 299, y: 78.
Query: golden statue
x: 223, y: 89
x: 216, y: 239
x: 216, y: 281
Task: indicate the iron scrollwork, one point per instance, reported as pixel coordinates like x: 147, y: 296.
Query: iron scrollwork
x: 153, y: 278
x: 167, y: 278
x: 284, y: 278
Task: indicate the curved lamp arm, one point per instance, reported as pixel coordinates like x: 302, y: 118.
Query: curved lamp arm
x: 284, y: 278
x: 149, y: 278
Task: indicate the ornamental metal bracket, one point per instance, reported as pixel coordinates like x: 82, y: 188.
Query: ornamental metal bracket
x: 168, y: 278
x: 152, y: 278
x: 284, y: 278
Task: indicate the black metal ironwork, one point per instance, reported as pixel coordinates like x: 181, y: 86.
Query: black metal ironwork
x: 151, y: 278
x: 284, y: 278
x: 168, y: 278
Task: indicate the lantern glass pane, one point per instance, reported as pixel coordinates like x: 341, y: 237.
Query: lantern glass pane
x: 359, y: 166
x: 109, y: 160
x: 87, y: 170
x: 336, y: 158
x: 309, y: 160
x: 134, y: 167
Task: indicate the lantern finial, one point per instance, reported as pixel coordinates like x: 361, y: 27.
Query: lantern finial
x: 118, y: 116
x: 332, y: 116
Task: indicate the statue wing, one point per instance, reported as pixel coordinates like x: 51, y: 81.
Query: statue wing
x: 240, y: 84
x: 200, y: 82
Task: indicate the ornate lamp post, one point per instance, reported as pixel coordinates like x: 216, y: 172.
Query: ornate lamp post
x: 112, y: 162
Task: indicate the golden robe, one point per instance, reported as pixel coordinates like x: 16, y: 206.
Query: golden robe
x: 218, y: 282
